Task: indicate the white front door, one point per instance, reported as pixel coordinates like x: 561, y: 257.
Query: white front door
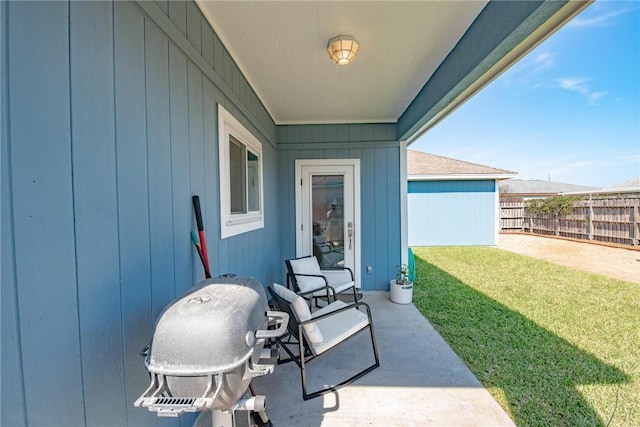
x: 328, y: 212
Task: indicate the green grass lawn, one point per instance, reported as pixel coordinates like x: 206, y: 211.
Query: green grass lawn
x: 553, y: 345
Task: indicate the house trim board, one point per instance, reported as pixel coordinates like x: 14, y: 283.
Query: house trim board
x: 336, y: 145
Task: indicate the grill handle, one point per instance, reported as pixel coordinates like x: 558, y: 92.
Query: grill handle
x: 282, y: 320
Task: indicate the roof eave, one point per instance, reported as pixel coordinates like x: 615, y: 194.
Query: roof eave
x: 431, y: 105
x: 603, y: 191
x: 461, y: 177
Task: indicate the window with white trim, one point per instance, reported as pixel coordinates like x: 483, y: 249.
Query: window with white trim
x: 241, y: 200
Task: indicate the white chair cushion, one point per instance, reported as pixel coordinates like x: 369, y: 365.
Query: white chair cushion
x: 336, y: 329
x: 339, y: 280
x: 307, y: 265
x: 338, y: 289
x: 337, y: 277
x: 307, y: 284
x: 302, y: 311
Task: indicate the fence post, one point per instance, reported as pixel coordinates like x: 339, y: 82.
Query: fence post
x: 634, y: 225
x: 590, y: 218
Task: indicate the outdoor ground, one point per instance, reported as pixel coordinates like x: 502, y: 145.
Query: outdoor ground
x: 615, y: 262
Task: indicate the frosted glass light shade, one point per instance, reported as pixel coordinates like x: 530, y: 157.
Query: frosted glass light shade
x: 343, y: 49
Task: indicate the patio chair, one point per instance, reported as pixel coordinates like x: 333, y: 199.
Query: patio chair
x: 310, y: 336
x: 325, y: 254
x: 306, y: 279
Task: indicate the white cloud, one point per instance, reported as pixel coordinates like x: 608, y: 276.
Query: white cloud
x: 543, y: 61
x: 574, y: 84
x: 579, y: 85
x: 594, y: 96
x: 524, y: 73
x: 599, y: 15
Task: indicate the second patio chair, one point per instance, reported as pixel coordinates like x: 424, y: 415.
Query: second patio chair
x: 306, y: 279
x: 312, y: 335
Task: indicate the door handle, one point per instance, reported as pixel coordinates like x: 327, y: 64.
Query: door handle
x: 350, y: 233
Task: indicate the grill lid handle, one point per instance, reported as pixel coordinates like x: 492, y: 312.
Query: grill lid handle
x: 282, y: 320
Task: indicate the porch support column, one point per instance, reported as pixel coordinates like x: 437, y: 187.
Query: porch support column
x: 404, y: 232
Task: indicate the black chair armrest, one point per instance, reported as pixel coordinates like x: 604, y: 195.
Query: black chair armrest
x: 328, y: 288
x: 312, y: 275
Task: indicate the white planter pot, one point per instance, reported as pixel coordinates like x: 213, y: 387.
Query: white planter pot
x: 400, y: 294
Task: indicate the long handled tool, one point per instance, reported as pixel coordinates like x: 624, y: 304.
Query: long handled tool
x: 196, y: 243
x: 203, y: 244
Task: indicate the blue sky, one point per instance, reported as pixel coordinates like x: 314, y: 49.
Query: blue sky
x: 568, y: 111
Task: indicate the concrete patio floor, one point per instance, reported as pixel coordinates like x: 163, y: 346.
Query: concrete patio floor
x: 420, y: 381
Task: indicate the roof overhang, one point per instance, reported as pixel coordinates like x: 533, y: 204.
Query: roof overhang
x: 509, y: 30
x: 418, y: 61
x: 620, y: 190
x: 460, y: 177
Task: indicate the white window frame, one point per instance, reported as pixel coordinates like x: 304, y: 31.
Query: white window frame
x: 234, y: 224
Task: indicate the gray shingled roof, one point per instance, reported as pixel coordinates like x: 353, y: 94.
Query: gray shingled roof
x: 536, y: 186
x: 419, y: 163
x: 632, y: 183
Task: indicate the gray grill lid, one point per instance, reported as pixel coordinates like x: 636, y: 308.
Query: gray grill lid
x: 210, y: 328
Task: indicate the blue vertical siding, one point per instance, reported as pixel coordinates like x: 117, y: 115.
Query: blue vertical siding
x: 109, y: 128
x: 133, y: 177
x: 379, y: 156
x: 194, y: 26
x: 43, y: 219
x: 11, y: 386
x: 178, y: 15
x: 180, y: 168
x: 196, y: 149
x: 448, y: 213
x: 95, y: 210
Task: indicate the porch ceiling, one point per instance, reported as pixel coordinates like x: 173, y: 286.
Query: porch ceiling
x: 418, y: 60
x: 281, y: 49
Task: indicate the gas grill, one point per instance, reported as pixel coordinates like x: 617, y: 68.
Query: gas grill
x: 207, y: 345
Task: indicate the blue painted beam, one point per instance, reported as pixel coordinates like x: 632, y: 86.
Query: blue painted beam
x: 498, y: 29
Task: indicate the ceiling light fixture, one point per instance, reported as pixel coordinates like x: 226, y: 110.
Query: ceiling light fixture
x: 343, y: 49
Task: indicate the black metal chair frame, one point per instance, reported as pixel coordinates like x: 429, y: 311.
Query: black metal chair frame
x: 296, y: 336
x: 292, y: 283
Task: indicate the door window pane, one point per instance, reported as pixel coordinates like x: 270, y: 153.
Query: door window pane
x: 327, y: 198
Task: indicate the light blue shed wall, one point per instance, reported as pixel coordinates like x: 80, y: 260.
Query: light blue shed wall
x: 379, y: 156
x: 109, y: 126
x: 451, y: 213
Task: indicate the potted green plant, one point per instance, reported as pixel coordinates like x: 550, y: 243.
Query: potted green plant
x: 401, y: 288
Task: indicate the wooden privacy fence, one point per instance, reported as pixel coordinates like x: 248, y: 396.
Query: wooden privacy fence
x: 607, y: 218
